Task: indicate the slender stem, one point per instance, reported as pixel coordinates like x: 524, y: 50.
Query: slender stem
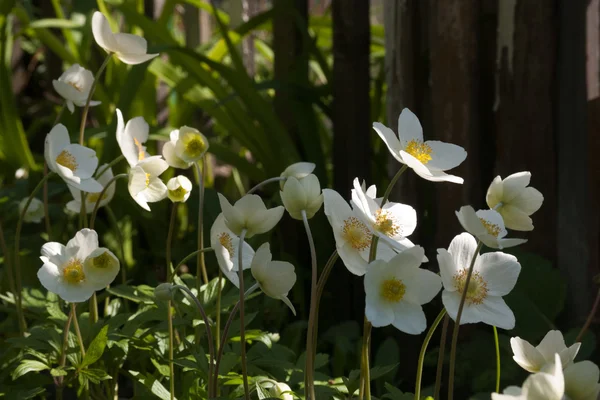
x: 119, y: 235
x: 93, y: 308
x: 77, y: 330
x: 19, y: 286
x: 89, y: 98
x: 497, y: 343
x: 171, y: 363
x: 169, y: 240
x: 309, y: 368
x: 457, y: 322
x: 589, y: 319
x: 200, y: 265
x: 46, y: 208
x: 320, y: 287
x: 218, y: 325
x: 192, y: 254
x: 83, y: 211
x: 266, y: 182
x: 97, y: 205
x: 440, y: 363
x: 242, y: 327
x: 63, y: 352
x: 365, y: 372
x: 110, y: 165
x: 430, y: 333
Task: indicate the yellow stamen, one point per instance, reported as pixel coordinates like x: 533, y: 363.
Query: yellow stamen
x: 356, y: 233
x: 477, y: 290
x: 492, y: 229
x: 177, y: 194
x: 227, y: 242
x: 141, y: 152
x: 386, y: 224
x: 67, y: 160
x: 392, y: 290
x: 95, y: 197
x: 76, y: 86
x: 419, y: 150
x: 101, y: 261
x: 73, y: 271
x: 147, y: 179
x: 195, y: 146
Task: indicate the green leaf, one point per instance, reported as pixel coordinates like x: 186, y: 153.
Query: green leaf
x: 210, y: 292
x: 151, y: 384
x: 58, y: 372
x: 28, y: 366
x: 55, y: 23
x: 96, y: 348
x: 95, y: 375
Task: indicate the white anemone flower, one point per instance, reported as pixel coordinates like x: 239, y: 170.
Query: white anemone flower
x: 131, y: 138
x: 275, y: 278
x: 101, y: 267
x: 179, y: 189
x: 298, y: 170
x: 581, y: 381
x: 65, y: 271
x: 74, y: 86
x: 131, y: 49
x: 35, y: 212
x: 393, y: 222
x: 352, y: 236
x: 185, y: 147
x: 396, y: 290
x: 226, y: 247
x: 534, y: 359
x: 494, y: 276
x: 487, y: 226
x: 249, y: 213
x: 145, y: 185
x: 428, y: 159
x: 514, y: 200
x: 74, y: 163
x: 92, y: 198
x: 302, y: 194
x: 539, y: 386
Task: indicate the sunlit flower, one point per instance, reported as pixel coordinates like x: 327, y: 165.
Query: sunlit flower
x: 74, y: 163
x: 514, y: 200
x: 581, y: 381
x: 298, y: 170
x: 396, y: 289
x: 534, y: 359
x: 302, y: 194
x: 92, y: 198
x: 487, y: 226
x: 131, y: 138
x: 190, y: 144
x: 494, y: 275
x: 352, y: 236
x: 145, y: 185
x: 393, y: 222
x: 281, y: 391
x: 428, y: 159
x: 74, y: 86
x: 179, y: 189
x: 275, y: 278
x: 35, y: 212
x: 170, y: 155
x: 548, y: 385
x: 67, y: 272
x: 249, y: 213
x: 226, y: 247
x: 130, y: 49
x: 101, y: 267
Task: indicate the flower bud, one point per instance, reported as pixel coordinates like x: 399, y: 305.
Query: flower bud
x: 281, y: 391
x: 298, y: 170
x: 35, y: 211
x: 302, y: 194
x: 179, y: 189
x: 164, y: 291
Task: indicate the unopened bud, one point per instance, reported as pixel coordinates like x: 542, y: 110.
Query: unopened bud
x: 164, y: 292
x: 281, y: 391
x: 302, y: 194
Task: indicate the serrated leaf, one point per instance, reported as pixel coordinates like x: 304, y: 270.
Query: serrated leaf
x: 96, y: 348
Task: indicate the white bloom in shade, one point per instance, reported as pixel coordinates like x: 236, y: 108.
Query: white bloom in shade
x: 514, y: 200
x: 101, y: 267
x: 226, y: 247
x: 145, y: 185
x: 275, y: 278
x: 130, y: 49
x: 393, y: 222
x: 74, y: 86
x: 428, y: 159
x: 548, y: 385
x: 251, y: 214
x: 92, y: 198
x: 190, y: 145
x: 395, y: 291
x: 581, y: 381
x: 352, y: 236
x: 74, y: 163
x: 170, y: 154
x: 179, y: 189
x: 131, y: 138
x: 35, y: 211
x: 302, y: 194
x: 298, y: 170
x: 494, y: 275
x: 487, y: 226
x: 281, y: 391
x: 534, y: 359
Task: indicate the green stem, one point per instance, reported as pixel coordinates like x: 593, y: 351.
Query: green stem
x: 109, y: 165
x: 97, y: 205
x: 171, y: 363
x: 242, y: 327
x: 63, y: 353
x: 200, y: 265
x: 94, y: 308
x: 218, y: 326
x: 461, y: 305
x: 440, y: 363
x: 89, y: 98
x: 310, y: 341
x: 430, y: 333
x: 46, y: 208
x: 191, y: 255
x: 497, y: 343
x: 266, y: 182
x: 169, y: 240
x: 320, y: 287
x: 77, y: 330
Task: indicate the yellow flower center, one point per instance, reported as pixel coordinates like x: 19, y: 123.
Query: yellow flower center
x: 95, y: 197
x: 227, y: 242
x: 73, y: 271
x: 392, y: 290
x: 419, y: 150
x: 147, y: 179
x: 356, y: 233
x: 386, y: 224
x: 195, y: 146
x: 67, y: 160
x: 178, y: 194
x: 492, y: 229
x: 76, y: 86
x: 141, y: 152
x: 477, y: 290
x: 101, y: 261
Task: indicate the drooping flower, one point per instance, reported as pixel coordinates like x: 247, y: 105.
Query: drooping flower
x: 514, y: 200
x: 429, y: 159
x: 548, y: 385
x: 298, y: 170
x: 494, y: 276
x: 275, y: 278
x: 74, y: 86
x: 179, y: 189
x: 74, y: 163
x: 281, y: 391
x: 145, y: 185
x: 249, y: 213
x: 131, y: 138
x: 302, y: 194
x: 396, y: 289
x: 130, y: 49
x: 226, y: 247
x: 487, y: 226
x: 190, y: 144
x: 35, y: 212
x: 92, y: 198
x: 534, y: 359
x: 581, y: 381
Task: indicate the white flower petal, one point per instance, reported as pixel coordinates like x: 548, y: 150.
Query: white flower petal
x: 409, y: 318
x: 85, y: 158
x: 171, y: 158
x: 56, y: 140
x: 581, y: 381
x: 129, y: 43
x: 86, y: 241
x: 156, y: 191
x: 529, y: 200
x: 264, y: 221
x: 451, y: 301
x: 101, y: 268
x: 515, y: 218
x: 551, y: 344
x: 422, y: 286
x: 390, y: 139
x: 135, y: 59
x: 49, y: 276
x: 409, y: 128
x: 495, y: 192
x: 470, y: 221
x: 102, y: 32
x: 445, y: 156
x: 514, y: 184
x: 495, y: 312
x: 447, y: 269
x: 425, y: 173
x: 500, y: 271
x: 527, y: 356
x: 86, y: 185
x: 462, y: 248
